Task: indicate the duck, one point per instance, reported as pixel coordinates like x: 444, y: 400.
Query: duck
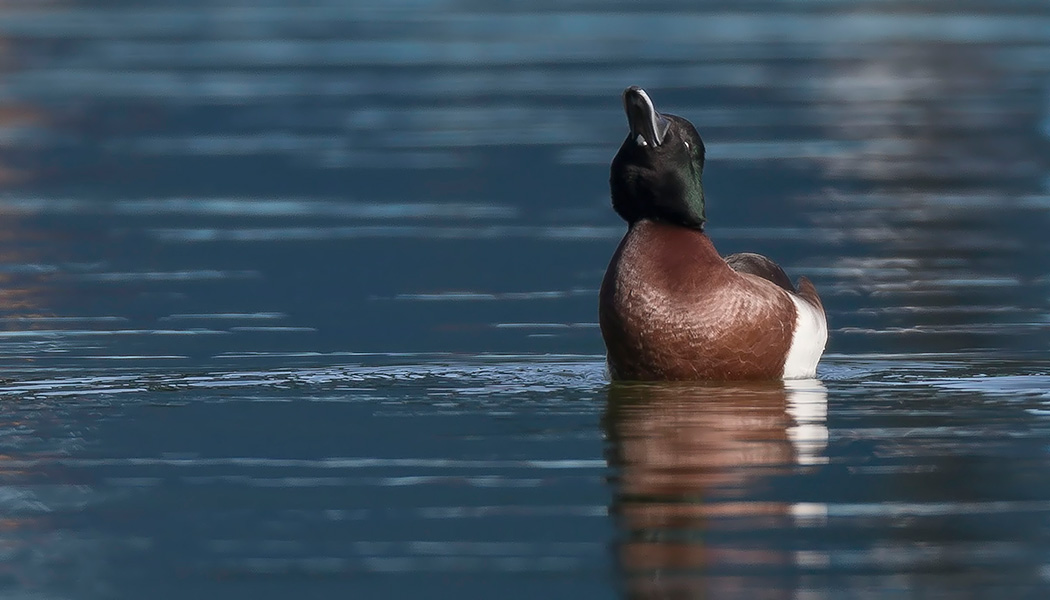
x: 671, y: 308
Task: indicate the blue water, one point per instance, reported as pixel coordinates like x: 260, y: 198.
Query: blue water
x: 301, y: 300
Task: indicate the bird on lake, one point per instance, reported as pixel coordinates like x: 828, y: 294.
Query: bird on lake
x: 672, y: 308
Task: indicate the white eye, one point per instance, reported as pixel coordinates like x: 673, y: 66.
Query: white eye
x: 686, y: 143
x: 640, y: 140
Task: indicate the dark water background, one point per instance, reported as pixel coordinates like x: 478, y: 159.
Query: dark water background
x: 301, y: 300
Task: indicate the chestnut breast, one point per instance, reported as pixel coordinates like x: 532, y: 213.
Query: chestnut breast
x: 670, y: 308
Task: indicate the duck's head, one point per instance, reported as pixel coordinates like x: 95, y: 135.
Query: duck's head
x: 656, y: 173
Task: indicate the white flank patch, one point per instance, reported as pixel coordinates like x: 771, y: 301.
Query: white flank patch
x: 807, y: 342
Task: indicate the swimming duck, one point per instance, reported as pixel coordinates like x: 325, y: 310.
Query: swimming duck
x: 672, y: 308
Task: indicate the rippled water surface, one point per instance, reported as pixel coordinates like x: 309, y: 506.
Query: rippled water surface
x: 301, y: 300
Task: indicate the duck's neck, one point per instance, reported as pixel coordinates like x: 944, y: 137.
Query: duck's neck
x: 673, y: 202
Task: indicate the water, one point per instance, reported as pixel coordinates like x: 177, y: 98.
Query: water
x: 302, y: 300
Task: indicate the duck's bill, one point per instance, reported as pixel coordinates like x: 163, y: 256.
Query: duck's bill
x: 646, y: 124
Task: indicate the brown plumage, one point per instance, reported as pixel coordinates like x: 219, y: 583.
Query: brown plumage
x: 670, y: 309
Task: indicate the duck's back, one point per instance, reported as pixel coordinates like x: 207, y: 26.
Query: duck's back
x: 671, y: 309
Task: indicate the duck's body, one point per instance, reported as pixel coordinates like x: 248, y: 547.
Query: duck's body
x: 670, y: 307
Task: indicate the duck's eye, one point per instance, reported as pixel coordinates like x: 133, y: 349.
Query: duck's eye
x: 686, y: 144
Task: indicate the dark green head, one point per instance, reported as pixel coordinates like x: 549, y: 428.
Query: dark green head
x: 656, y: 173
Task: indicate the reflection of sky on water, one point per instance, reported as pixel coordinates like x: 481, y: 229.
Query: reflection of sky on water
x: 303, y: 224
x: 896, y: 138
x: 405, y: 80
x: 708, y: 487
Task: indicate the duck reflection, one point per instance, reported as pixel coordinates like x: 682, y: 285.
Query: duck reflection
x: 696, y: 480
